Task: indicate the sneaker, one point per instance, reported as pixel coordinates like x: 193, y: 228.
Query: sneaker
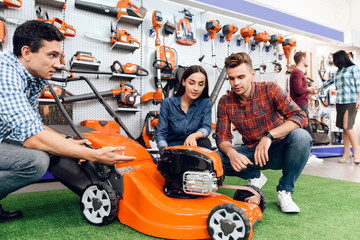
x: 258, y: 182
x: 7, y: 216
x: 286, y: 203
x: 314, y: 159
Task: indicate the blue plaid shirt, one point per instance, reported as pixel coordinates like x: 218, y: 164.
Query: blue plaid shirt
x: 19, y: 91
x: 347, y: 83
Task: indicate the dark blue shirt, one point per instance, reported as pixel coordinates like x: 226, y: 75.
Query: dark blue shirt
x: 174, y: 126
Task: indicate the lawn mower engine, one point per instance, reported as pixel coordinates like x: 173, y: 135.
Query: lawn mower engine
x: 190, y: 172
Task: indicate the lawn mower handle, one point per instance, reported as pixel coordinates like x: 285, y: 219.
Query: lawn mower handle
x: 100, y: 99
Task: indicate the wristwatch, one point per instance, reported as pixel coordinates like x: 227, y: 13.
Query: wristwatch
x: 268, y: 134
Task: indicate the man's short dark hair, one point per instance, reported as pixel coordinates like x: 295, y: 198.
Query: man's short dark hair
x: 31, y: 34
x: 298, y: 56
x: 237, y: 59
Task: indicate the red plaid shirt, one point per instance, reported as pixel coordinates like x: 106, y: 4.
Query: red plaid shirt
x: 267, y: 107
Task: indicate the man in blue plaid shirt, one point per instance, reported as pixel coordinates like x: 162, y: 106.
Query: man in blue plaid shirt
x: 26, y: 145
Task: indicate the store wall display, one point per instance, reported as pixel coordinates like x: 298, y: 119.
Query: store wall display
x: 188, y: 44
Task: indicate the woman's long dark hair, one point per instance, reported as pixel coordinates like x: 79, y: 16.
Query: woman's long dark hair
x: 341, y: 60
x: 190, y: 70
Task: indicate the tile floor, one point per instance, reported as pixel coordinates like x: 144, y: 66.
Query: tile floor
x: 330, y: 168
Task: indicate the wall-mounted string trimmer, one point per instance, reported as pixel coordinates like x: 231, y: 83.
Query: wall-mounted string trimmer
x: 288, y: 45
x: 158, y: 95
x: 228, y: 30
x: 247, y: 33
x: 261, y: 39
x: 275, y: 40
x: 213, y: 27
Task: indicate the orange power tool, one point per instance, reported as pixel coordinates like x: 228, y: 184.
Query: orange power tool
x: 261, y: 38
x: 9, y: 3
x: 228, y: 30
x: 123, y: 7
x: 213, y: 27
x: 2, y: 31
x: 158, y: 95
x: 275, y: 40
x: 247, y: 33
x: 288, y: 45
x: 124, y: 37
x: 63, y: 27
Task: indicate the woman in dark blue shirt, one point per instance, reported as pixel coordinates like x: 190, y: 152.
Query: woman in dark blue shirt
x: 185, y: 119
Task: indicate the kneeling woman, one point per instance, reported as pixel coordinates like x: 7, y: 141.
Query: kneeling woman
x: 185, y: 119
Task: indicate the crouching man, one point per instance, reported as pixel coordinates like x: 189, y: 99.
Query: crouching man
x: 271, y: 126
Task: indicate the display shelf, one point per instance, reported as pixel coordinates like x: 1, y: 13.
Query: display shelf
x: 127, y: 46
x: 117, y: 76
x: 77, y: 63
x: 54, y: 3
x: 130, y: 19
x: 128, y: 109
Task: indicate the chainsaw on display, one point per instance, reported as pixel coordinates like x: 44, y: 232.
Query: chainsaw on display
x: 10, y: 3
x: 122, y: 36
x: 128, y: 68
x: 123, y: 7
x: 66, y: 29
x: 116, y: 36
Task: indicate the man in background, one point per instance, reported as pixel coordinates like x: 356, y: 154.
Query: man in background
x: 299, y: 92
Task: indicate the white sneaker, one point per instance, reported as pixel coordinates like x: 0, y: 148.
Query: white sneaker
x: 258, y: 182
x: 286, y: 203
x: 314, y: 159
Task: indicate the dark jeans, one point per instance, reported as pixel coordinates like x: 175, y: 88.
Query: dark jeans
x: 289, y: 154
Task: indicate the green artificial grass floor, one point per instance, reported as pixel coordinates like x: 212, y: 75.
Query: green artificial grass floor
x: 330, y: 209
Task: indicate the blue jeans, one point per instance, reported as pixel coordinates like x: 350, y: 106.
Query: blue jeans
x: 289, y: 154
x: 19, y: 167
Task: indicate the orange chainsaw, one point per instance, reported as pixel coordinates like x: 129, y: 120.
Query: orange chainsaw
x: 63, y: 27
x: 122, y: 36
x: 123, y: 7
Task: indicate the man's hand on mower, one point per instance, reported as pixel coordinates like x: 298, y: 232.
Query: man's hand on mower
x: 238, y: 161
x: 81, y: 142
x: 108, y: 156
x: 261, y: 152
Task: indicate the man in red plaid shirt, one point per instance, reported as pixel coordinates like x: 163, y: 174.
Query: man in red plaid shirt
x: 271, y: 127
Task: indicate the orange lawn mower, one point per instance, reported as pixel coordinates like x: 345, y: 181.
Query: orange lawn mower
x: 174, y: 198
